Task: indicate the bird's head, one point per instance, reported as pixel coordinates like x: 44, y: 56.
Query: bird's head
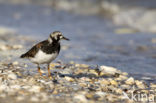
x: 57, y: 36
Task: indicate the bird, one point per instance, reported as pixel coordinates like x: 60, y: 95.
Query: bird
x: 45, y: 51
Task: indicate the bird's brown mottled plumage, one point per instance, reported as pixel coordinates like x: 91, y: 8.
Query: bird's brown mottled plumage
x: 45, y: 46
x: 32, y: 52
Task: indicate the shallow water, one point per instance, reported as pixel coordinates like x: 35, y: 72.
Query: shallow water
x: 93, y: 39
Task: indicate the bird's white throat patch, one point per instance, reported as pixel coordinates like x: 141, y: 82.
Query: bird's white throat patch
x: 50, y: 40
x: 41, y: 57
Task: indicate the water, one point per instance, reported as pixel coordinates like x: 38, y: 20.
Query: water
x: 93, y: 40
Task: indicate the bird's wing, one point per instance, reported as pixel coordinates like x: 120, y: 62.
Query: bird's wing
x: 32, y: 52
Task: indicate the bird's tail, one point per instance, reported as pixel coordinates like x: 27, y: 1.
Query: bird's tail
x: 23, y: 56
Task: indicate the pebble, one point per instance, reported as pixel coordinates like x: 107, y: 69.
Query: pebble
x: 17, y: 87
x: 85, y: 83
x: 124, y: 86
x: 4, y: 30
x: 3, y: 87
x: 89, y: 95
x: 119, y: 91
x: 104, y: 82
x: 82, y: 65
x: 34, y: 99
x: 12, y: 76
x: 4, y: 47
x: 69, y: 79
x: 35, y: 88
x: 130, y: 81
x: 108, y: 70
x: 113, y: 82
x: 94, y: 72
x: 88, y: 88
x: 20, y: 98
x: 17, y: 46
x: 140, y: 84
x: 100, y: 93
x: 80, y: 98
x: 121, y: 78
x: 15, y: 63
x: 153, y: 85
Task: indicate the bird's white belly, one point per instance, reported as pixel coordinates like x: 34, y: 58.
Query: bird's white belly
x: 41, y: 57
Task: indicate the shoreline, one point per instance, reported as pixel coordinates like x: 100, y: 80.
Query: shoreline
x: 71, y: 82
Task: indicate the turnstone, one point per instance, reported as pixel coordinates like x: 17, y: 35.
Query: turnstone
x: 45, y: 51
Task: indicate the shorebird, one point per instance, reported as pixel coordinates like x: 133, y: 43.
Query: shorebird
x: 45, y: 51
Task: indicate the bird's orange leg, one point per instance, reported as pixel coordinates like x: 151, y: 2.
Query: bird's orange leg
x: 39, y: 70
x: 49, y: 73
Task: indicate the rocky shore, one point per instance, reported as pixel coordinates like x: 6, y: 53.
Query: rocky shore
x: 78, y: 83
x: 70, y: 82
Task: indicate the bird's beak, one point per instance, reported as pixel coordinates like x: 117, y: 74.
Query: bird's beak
x: 65, y: 38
